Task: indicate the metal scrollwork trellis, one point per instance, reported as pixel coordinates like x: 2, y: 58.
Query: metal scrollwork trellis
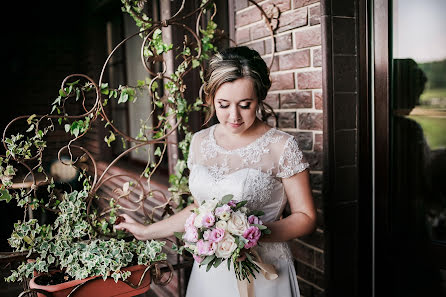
x: 172, y: 115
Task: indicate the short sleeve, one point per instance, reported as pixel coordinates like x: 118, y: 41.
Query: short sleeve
x: 190, y: 156
x: 292, y: 160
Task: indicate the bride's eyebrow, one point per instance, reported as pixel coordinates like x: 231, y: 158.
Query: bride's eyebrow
x: 243, y: 100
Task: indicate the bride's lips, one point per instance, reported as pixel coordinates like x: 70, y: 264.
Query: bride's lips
x: 235, y: 125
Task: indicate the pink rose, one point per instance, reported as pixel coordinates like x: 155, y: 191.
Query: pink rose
x: 197, y: 258
x: 190, y: 220
x: 208, y: 220
x: 206, y: 248
x: 216, y: 235
x: 191, y: 234
x: 252, y: 234
x: 252, y: 219
x: 222, y: 209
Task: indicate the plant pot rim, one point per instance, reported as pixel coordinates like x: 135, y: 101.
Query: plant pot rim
x: 73, y: 283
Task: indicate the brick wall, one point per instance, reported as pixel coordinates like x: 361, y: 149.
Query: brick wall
x: 296, y: 96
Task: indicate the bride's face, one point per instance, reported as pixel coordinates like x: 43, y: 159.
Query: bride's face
x: 236, y: 104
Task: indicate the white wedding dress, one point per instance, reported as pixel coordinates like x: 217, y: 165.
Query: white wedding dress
x: 252, y: 173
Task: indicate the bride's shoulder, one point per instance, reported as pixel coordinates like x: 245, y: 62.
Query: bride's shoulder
x: 202, y: 134
x: 280, y: 137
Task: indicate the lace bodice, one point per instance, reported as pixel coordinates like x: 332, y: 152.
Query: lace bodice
x: 253, y: 172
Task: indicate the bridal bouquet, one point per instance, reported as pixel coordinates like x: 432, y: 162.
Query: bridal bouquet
x: 224, y: 230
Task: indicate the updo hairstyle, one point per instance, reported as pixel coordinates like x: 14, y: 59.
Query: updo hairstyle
x: 234, y: 63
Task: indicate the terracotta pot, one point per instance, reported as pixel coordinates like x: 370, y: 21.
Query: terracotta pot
x: 97, y: 287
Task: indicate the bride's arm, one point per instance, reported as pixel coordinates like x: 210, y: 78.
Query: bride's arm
x: 302, y: 220
x: 161, y: 229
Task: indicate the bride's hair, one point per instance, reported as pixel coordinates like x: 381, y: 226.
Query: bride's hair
x: 234, y: 63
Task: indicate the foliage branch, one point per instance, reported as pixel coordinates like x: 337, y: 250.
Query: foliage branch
x: 81, y: 240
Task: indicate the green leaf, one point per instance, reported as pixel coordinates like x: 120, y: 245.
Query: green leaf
x: 30, y: 119
x: 240, y: 204
x: 218, y: 262
x: 229, y: 263
x: 158, y: 152
x: 210, y: 264
x: 226, y: 199
x: 110, y: 139
x: 4, y: 195
x: 178, y: 235
x: 195, y: 63
x: 207, y: 260
x: 123, y: 98
x: 261, y: 227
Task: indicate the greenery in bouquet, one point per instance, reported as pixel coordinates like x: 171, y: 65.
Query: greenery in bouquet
x: 224, y: 230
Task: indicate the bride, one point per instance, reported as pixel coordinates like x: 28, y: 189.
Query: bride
x: 247, y: 158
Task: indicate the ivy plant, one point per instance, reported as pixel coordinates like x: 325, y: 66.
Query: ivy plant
x: 81, y: 241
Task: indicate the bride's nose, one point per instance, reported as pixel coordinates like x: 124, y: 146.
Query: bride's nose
x: 234, y: 114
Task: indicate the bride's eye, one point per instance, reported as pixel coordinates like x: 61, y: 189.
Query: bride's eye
x: 247, y: 106
x: 223, y: 106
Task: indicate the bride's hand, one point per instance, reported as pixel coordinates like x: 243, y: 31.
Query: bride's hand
x: 129, y: 224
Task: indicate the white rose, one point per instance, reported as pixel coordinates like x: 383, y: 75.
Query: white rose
x: 225, y: 216
x: 208, y: 206
x: 222, y: 225
x: 244, y: 209
x: 226, y: 247
x: 199, y: 219
x: 238, y: 223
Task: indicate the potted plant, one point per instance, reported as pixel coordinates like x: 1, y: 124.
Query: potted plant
x: 78, y: 244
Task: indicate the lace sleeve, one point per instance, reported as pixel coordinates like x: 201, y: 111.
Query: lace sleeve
x: 190, y: 156
x: 291, y: 161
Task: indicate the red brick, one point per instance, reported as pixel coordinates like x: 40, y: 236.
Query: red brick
x: 272, y: 100
x: 283, y: 81
x: 309, y: 80
x: 294, y: 60
x: 283, y: 5
x: 240, y: 4
x: 259, y: 31
x: 315, y: 15
x: 259, y: 46
x: 304, y: 139
x: 242, y: 35
x: 287, y: 119
x: 308, y: 37
x: 283, y: 42
x: 318, y: 142
x: 302, y: 3
x: 310, y: 121
x: 314, y: 159
x: 300, y: 99
x: 317, y: 99
x: 248, y: 16
x: 275, y: 66
x: 317, y: 57
x: 293, y: 19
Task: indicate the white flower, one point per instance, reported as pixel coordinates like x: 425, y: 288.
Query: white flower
x: 208, y: 206
x: 222, y: 225
x: 225, y: 216
x: 199, y: 220
x: 226, y: 246
x: 238, y: 223
x: 244, y: 209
